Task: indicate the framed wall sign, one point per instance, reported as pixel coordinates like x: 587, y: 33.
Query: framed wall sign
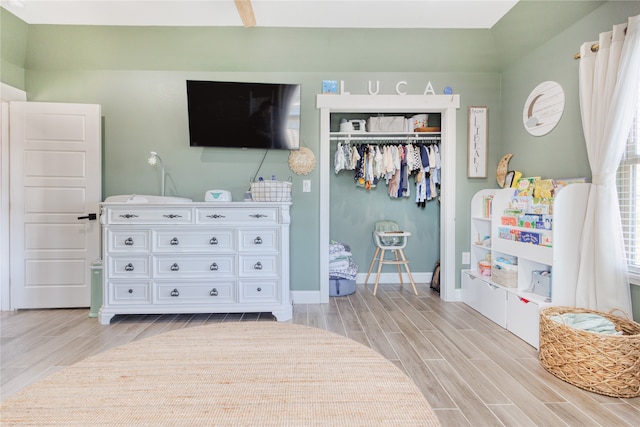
x: 477, y: 133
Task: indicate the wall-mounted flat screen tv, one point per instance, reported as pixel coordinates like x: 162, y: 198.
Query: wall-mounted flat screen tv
x: 243, y: 115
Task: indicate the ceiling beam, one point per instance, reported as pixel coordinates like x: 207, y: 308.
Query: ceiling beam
x: 246, y: 12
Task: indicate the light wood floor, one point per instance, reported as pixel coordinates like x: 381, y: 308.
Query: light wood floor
x: 472, y: 372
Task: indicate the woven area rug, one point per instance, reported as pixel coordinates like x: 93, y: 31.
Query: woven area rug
x: 227, y: 374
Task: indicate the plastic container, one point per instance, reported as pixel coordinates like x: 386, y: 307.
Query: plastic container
x: 484, y: 268
x: 341, y: 287
x: 96, y: 287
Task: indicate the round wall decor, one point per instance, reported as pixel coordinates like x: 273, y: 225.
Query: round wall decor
x: 302, y: 161
x: 543, y: 108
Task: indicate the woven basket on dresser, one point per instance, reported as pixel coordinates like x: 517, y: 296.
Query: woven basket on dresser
x: 601, y: 363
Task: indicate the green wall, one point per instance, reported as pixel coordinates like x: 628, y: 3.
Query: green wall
x: 13, y: 49
x: 560, y: 153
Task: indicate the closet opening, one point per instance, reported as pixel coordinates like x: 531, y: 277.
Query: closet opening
x: 439, y: 216
x: 385, y: 166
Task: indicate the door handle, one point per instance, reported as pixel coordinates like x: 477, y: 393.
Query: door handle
x: 90, y: 217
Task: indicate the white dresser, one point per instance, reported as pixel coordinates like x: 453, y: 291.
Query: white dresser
x: 195, y: 258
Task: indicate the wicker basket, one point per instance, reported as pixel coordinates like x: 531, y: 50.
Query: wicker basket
x: 601, y: 363
x: 271, y: 191
x: 504, y: 274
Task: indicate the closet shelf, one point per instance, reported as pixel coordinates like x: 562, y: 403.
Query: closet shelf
x: 367, y: 136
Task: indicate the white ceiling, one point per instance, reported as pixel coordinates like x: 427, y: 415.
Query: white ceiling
x: 268, y: 13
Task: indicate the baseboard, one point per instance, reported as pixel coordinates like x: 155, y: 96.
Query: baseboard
x: 313, y: 297
x: 419, y: 277
x: 305, y: 297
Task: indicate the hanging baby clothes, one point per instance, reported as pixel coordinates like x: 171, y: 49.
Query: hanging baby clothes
x: 394, y: 184
x: 370, y: 178
x: 389, y: 167
x: 404, y: 174
x: 395, y: 162
x: 424, y: 155
x: 417, y: 160
x: 361, y: 166
x: 438, y: 162
x: 421, y: 189
x: 355, y: 158
x: 340, y: 159
x: 379, y: 163
x: 432, y: 172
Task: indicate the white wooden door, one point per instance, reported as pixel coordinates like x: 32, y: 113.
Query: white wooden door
x: 55, y: 171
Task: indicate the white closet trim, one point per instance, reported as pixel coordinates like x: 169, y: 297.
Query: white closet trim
x: 446, y: 105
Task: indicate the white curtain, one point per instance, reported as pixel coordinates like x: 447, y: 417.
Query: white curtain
x: 609, y: 80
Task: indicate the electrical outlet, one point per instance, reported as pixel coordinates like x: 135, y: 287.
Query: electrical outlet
x: 466, y: 258
x: 306, y: 186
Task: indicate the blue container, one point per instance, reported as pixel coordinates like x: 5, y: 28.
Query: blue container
x: 341, y: 287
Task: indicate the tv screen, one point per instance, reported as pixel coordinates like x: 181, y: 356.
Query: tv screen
x: 243, y: 115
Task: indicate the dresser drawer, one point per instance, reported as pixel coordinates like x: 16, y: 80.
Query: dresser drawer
x: 194, y: 266
x: 205, y: 240
x: 264, y: 240
x: 129, y: 292
x: 258, y: 291
x: 128, y: 240
x: 244, y: 215
x: 139, y: 215
x: 258, y: 265
x: 129, y: 267
x: 210, y: 292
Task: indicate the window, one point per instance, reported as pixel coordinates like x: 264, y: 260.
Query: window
x: 628, y: 181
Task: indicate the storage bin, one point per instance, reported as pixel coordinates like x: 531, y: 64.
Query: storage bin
x: 600, y: 363
x: 341, y: 287
x: 504, y: 274
x: 387, y: 124
x: 419, y: 121
x: 484, y: 268
x: 271, y: 191
x: 96, y: 288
